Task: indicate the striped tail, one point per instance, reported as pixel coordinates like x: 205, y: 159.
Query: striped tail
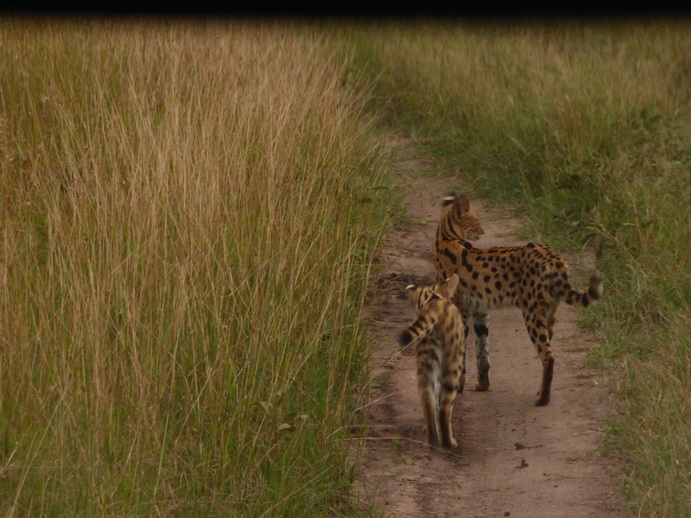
x: 585, y: 299
x: 415, y: 330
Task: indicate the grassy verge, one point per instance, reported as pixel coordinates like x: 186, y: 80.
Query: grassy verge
x: 585, y: 127
x: 188, y: 214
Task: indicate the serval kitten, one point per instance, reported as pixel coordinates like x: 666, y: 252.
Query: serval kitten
x: 440, y: 348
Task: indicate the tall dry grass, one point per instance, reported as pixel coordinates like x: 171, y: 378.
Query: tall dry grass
x: 584, y: 127
x: 187, y: 219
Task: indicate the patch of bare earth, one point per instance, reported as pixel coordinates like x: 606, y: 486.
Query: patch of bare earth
x: 513, y: 459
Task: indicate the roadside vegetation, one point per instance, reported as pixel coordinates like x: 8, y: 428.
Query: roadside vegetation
x: 188, y: 215
x: 586, y: 129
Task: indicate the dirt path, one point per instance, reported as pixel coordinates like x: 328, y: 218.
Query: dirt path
x: 514, y: 459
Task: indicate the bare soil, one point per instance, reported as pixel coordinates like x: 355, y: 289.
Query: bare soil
x: 513, y: 459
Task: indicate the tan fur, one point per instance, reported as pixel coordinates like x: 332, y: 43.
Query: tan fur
x: 438, y: 336
x: 531, y: 277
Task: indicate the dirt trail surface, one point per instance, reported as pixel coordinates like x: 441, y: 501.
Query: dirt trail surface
x: 513, y: 459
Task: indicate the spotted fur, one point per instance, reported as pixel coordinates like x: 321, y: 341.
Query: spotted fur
x: 531, y: 277
x: 440, y: 348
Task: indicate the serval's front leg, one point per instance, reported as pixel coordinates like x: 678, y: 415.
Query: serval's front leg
x: 481, y: 328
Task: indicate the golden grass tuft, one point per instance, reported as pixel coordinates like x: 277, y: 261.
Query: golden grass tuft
x: 185, y: 243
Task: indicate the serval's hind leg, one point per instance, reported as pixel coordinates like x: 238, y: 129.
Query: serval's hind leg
x: 540, y: 334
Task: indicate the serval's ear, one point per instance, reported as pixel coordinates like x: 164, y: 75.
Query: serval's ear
x: 465, y: 202
x: 448, y: 199
x: 448, y: 287
x: 461, y: 205
x: 452, y: 284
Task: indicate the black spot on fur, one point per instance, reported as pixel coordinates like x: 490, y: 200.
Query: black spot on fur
x: 467, y: 266
x: 481, y: 330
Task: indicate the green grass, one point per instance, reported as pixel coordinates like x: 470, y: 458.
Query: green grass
x: 189, y: 210
x: 585, y: 127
